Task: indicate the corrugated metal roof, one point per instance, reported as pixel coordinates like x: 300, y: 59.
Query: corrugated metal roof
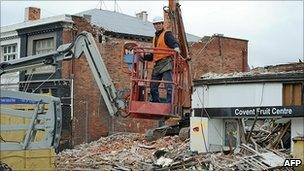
x: 122, y: 23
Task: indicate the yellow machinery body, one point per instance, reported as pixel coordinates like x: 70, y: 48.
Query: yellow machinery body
x: 40, y: 159
x: 35, y: 159
x: 298, y: 151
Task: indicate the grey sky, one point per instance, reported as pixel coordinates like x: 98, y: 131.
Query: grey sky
x: 274, y: 28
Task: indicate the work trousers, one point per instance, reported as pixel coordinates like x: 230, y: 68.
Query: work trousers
x: 166, y: 76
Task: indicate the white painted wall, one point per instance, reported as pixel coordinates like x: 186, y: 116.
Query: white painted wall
x: 10, y: 78
x: 238, y: 95
x: 216, y: 134
x: 297, y: 129
x: 199, y: 134
x: 210, y: 134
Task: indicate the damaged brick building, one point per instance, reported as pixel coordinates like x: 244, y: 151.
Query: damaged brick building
x: 86, y: 117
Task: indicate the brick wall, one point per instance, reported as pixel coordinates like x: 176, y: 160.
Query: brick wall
x: 32, y: 13
x: 91, y: 119
x: 112, y: 51
x: 219, y: 55
x: 296, y: 66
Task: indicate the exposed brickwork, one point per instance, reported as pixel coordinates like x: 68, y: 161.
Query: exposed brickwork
x: 219, y: 55
x: 112, y: 52
x: 32, y: 13
x: 91, y: 119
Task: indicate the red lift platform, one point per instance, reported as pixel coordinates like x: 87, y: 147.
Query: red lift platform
x: 140, y: 105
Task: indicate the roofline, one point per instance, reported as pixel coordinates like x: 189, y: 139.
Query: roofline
x: 264, y: 78
x: 134, y: 17
x: 57, y: 18
x: 230, y: 38
x: 78, y: 14
x: 126, y: 35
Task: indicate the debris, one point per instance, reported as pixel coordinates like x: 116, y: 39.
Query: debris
x: 146, y: 146
x: 130, y: 151
x: 272, y: 159
x: 268, y: 70
x: 164, y: 162
x: 159, y: 153
x: 124, y: 151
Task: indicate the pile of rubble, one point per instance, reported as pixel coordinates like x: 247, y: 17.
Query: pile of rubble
x: 268, y: 70
x: 129, y: 151
x: 257, y: 71
x: 270, y: 133
x: 122, y: 151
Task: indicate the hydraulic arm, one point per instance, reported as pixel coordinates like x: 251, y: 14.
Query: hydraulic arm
x: 83, y: 44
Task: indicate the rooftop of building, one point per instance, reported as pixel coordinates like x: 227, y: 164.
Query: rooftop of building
x: 108, y: 20
x: 209, y: 38
x: 122, y: 23
x: 274, y: 73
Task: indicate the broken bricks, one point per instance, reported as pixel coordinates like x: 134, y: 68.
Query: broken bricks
x: 129, y: 151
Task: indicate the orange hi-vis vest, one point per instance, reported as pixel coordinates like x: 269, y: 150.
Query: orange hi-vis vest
x: 160, y: 44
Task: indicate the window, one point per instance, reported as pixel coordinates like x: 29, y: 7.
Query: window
x: 42, y: 46
x: 9, y: 52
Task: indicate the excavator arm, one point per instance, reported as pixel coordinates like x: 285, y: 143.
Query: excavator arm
x: 83, y: 44
x: 42, y: 129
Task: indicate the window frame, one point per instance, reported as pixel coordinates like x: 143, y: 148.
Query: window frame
x: 45, y: 40
x: 31, y: 51
x: 6, y: 56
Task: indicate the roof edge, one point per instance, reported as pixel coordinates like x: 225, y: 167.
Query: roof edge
x: 26, y: 24
x: 274, y: 77
x: 230, y: 38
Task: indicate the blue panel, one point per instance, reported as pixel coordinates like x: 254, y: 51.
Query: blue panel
x: 128, y: 58
x: 8, y: 100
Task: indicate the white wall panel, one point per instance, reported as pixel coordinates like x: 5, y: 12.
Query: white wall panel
x: 11, y: 78
x: 297, y: 129
x: 238, y: 95
x: 206, y: 131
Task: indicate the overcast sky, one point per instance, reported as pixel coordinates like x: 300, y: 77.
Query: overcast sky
x: 274, y: 28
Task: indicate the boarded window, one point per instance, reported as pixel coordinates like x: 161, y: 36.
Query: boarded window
x: 292, y: 94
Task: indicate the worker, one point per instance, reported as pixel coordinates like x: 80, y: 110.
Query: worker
x: 162, y: 62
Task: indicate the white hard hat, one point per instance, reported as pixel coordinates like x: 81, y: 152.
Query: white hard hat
x: 157, y: 19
